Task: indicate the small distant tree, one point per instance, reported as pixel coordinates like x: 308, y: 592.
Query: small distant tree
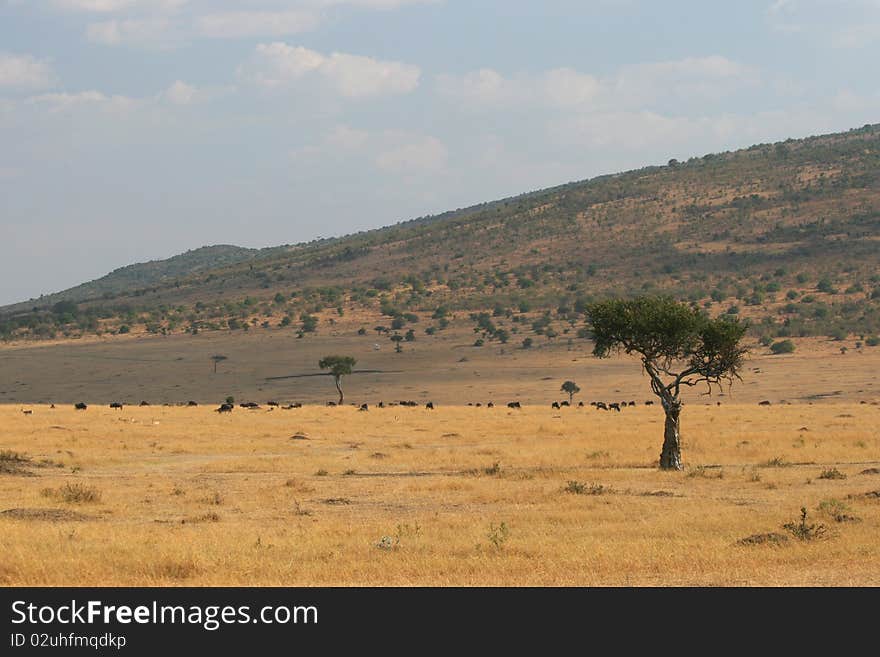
x: 678, y: 346
x: 218, y: 358
x: 397, y: 339
x: 571, y: 388
x: 339, y: 366
x: 309, y: 323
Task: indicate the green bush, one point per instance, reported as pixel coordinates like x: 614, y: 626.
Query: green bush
x: 782, y: 347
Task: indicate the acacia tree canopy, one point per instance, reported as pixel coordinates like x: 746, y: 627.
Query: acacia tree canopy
x: 339, y: 366
x: 672, y: 338
x: 679, y: 346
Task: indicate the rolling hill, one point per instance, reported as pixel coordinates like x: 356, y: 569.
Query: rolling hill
x: 786, y: 234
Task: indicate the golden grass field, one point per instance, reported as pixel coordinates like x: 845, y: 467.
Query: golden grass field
x: 407, y: 496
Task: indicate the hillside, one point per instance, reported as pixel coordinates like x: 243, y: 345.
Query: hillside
x: 786, y: 234
x: 133, y: 278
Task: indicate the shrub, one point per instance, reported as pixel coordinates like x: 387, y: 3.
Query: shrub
x: 804, y: 531
x: 74, y: 493
x: 782, y: 347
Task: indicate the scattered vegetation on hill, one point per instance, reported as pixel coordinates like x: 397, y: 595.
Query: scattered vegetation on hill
x: 783, y: 234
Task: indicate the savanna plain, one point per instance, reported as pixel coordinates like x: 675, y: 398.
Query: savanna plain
x: 166, y: 495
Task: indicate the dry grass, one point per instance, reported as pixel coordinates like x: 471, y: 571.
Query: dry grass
x: 468, y: 496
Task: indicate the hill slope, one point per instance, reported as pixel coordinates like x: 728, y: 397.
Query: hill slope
x: 787, y: 234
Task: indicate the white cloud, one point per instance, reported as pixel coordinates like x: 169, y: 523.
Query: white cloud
x: 181, y: 93
x: 567, y: 89
x: 61, y: 102
x: 278, y: 65
x: 398, y: 152
x: 420, y: 154
x: 344, y: 137
x: 150, y: 32
x: 114, y: 6
x: 24, y: 71
x: 856, y: 36
x: 240, y: 24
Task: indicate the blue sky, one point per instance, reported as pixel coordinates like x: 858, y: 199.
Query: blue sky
x: 136, y: 129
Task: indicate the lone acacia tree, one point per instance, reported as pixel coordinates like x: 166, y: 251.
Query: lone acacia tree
x: 678, y: 345
x: 571, y: 388
x: 218, y: 358
x: 339, y: 366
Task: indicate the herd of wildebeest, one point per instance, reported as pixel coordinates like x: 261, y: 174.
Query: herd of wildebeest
x: 227, y: 407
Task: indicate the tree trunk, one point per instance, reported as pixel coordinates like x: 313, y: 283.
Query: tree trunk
x: 336, y: 380
x: 670, y: 457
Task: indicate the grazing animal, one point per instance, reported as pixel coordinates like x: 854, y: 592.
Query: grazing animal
x: 515, y: 404
x: 632, y: 403
x: 430, y: 406
x: 381, y: 404
x: 225, y: 408
x: 764, y: 403
x: 580, y: 404
x: 565, y: 403
x: 192, y: 403
x: 470, y: 403
x: 601, y: 405
x: 363, y: 407
x: 250, y: 405
x: 615, y: 406
x: 649, y: 403
x: 80, y: 406
x: 116, y: 405
x: 52, y: 406
x: 478, y: 404
x: 145, y: 403
x: 554, y: 405
x: 272, y: 403
x: 27, y: 412
x: 490, y: 405
x: 331, y: 403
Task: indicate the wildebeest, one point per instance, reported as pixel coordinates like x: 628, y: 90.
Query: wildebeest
x: 430, y: 406
x: 192, y: 403
x: 632, y: 403
x: 381, y: 404
x: 80, y: 406
x: 565, y: 403
x: 27, y: 412
x: 363, y: 407
x: 478, y: 404
x: 272, y: 403
x: 490, y: 405
x: 615, y: 406
x: 580, y: 404
x: 515, y: 404
x: 764, y: 403
x: 225, y: 408
x: 145, y: 403
x: 331, y: 403
x: 250, y: 405
x: 554, y: 405
x: 116, y: 405
x: 601, y: 405
x: 649, y: 403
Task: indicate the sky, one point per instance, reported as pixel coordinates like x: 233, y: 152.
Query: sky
x: 132, y: 130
